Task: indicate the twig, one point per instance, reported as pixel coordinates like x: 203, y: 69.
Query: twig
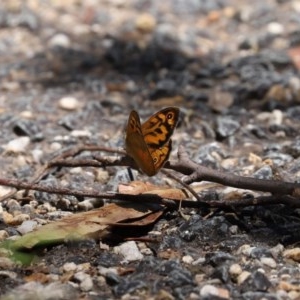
x: 152, y: 198
x: 187, y: 187
x: 61, y: 160
x: 142, y: 198
x: 196, y: 173
x: 184, y: 165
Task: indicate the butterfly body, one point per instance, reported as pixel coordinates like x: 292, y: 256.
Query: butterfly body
x: 149, y: 144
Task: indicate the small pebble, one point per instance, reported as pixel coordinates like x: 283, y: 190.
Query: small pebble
x: 37, y: 154
x: 245, y: 249
x: 146, y: 251
x: 101, y: 175
x: 36, y: 290
x: 294, y: 295
x: 104, y: 271
x: 293, y: 254
x: 145, y: 23
x: 64, y: 203
x: 269, y: 261
x: 277, y: 250
x: 47, y: 207
x: 235, y: 270
x: 26, y: 114
x: 89, y: 204
x: 27, y: 226
x: 275, y: 28
x: 198, y: 261
x: 296, y: 5
x: 8, y: 274
x: 86, y: 282
x: 84, y: 267
x: 3, y: 235
x: 6, y: 263
x: 212, y: 291
x: 129, y: 251
x: 55, y: 146
x: 243, y: 276
x: 17, y: 145
x: 76, y: 170
x: 7, y: 218
x: 187, y: 259
x: 60, y: 40
x: 234, y: 229
x: 81, y: 133
x: 13, y: 205
x: 69, y: 267
x: 4, y: 191
x: 19, y: 219
x: 226, y: 126
x: 68, y: 103
x: 220, y: 101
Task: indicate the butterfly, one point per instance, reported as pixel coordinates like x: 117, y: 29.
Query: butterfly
x: 149, y: 144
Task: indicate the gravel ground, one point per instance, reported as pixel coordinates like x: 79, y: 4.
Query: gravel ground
x: 71, y: 71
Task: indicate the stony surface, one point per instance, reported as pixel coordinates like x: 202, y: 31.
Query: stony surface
x: 71, y: 71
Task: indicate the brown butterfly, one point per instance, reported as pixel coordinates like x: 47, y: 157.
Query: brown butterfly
x: 149, y: 144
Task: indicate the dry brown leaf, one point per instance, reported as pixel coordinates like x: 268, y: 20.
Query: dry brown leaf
x: 169, y: 193
x: 92, y: 224
x: 139, y: 187
x: 136, y: 187
x: 144, y: 221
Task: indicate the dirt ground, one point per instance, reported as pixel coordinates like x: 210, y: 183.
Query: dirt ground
x: 70, y: 73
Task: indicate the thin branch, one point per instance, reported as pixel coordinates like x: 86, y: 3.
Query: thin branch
x: 60, y: 160
x: 187, y: 187
x: 152, y: 198
x: 196, y: 173
x: 184, y: 165
x: 142, y: 198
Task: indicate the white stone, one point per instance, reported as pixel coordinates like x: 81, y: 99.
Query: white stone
x: 27, y: 226
x: 68, y: 103
x: 27, y: 114
x: 55, y: 146
x: 129, y: 251
x: 275, y: 28
x: 4, y: 190
x: 81, y: 133
x: 269, y: 261
x: 296, y: 5
x: 245, y: 249
x: 86, y: 282
x: 69, y: 267
x: 209, y: 290
x: 187, y: 259
x: 60, y: 40
x: 17, y: 145
x: 104, y: 271
x: 37, y: 154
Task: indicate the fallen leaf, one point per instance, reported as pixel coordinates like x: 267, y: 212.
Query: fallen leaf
x: 91, y: 224
x: 139, y: 187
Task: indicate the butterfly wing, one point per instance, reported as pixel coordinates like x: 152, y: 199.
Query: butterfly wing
x: 161, y: 155
x: 158, y: 129
x: 136, y: 146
